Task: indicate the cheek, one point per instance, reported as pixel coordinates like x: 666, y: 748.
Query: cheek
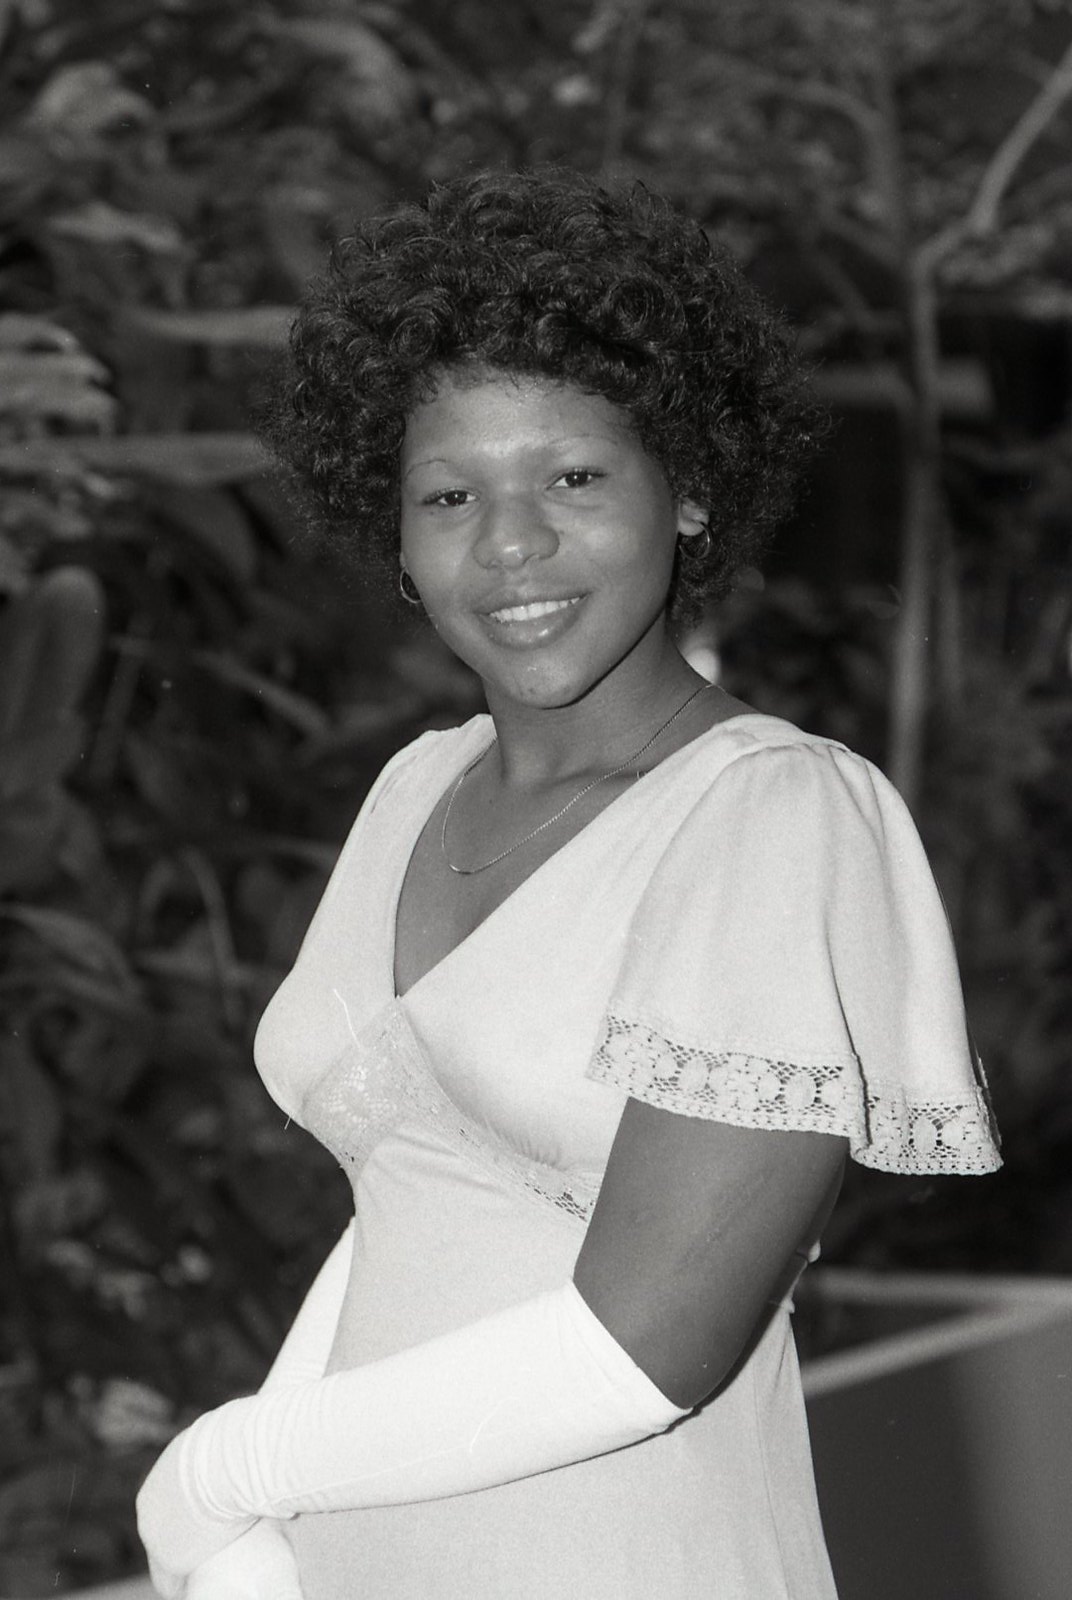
x: 648, y: 546
x: 435, y: 572
x: 410, y: 544
x: 428, y: 558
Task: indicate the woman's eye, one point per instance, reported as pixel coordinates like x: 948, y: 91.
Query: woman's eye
x: 580, y: 477
x: 450, y: 498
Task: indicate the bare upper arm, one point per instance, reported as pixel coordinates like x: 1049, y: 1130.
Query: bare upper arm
x: 694, y: 1232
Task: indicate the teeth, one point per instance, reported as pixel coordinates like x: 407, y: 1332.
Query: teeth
x: 538, y: 608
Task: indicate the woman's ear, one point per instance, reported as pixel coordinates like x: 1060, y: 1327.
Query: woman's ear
x: 693, y: 519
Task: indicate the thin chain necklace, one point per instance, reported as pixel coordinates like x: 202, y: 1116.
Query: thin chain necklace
x: 469, y: 872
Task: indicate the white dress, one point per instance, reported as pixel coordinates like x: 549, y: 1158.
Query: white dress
x: 751, y: 934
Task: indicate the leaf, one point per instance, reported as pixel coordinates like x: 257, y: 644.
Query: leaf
x: 198, y: 460
x: 26, y: 172
x: 30, y: 1109
x: 21, y: 368
x: 9, y: 15
x: 86, y: 98
x: 34, y: 760
x: 214, y: 519
x: 98, y: 222
x: 57, y: 386
x: 55, y: 1205
x: 300, y: 712
x: 44, y: 372
x: 99, y: 994
x: 345, y: 40
x: 160, y: 776
x: 36, y: 521
x: 257, y: 326
x: 130, y: 1414
x: 105, y: 1053
x: 380, y: 83
x: 31, y: 829
x: 14, y: 562
x: 75, y: 939
x: 64, y: 1512
x: 50, y: 643
x: 292, y: 219
x: 188, y: 965
x: 18, y: 331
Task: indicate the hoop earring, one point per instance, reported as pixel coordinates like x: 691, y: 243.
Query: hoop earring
x: 695, y: 546
x: 410, y: 595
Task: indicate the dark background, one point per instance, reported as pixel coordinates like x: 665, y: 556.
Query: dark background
x: 192, y: 703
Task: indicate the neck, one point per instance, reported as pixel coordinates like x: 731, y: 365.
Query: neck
x: 539, y: 745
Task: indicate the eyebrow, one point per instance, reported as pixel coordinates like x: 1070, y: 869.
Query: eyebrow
x: 550, y: 444
x: 426, y: 461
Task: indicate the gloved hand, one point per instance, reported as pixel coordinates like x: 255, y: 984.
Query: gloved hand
x: 258, y: 1565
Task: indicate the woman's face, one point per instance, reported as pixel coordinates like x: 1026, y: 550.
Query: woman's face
x: 539, y: 533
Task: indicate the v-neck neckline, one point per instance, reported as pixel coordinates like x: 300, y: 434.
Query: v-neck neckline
x: 412, y: 838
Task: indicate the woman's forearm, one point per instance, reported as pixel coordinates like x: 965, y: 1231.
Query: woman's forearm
x: 538, y: 1386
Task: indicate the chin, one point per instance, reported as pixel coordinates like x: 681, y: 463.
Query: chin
x: 540, y: 697
x: 553, y: 695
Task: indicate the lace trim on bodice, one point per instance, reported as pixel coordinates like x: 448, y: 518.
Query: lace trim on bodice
x: 886, y: 1127
x: 382, y: 1080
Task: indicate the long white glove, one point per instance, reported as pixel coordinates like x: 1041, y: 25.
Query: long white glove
x: 537, y: 1386
x: 260, y: 1564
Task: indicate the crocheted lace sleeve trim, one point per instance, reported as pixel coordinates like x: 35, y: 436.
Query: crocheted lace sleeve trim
x: 887, y: 1126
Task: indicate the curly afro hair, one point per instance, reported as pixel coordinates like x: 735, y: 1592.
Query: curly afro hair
x: 545, y: 273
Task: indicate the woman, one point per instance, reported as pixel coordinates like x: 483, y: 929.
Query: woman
x: 605, y: 985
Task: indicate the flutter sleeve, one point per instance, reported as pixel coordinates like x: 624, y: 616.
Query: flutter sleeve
x: 791, y: 966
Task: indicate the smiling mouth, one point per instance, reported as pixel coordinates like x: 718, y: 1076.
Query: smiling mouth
x: 535, y: 608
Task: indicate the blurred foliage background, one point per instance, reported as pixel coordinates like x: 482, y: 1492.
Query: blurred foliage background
x: 192, y: 703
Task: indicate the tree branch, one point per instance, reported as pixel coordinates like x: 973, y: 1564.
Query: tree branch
x: 630, y: 30
x: 982, y: 215
x: 800, y: 91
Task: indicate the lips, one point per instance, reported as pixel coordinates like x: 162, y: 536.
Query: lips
x: 530, y: 622
x: 532, y: 610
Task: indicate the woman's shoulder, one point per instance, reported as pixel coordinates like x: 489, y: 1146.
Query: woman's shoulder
x: 775, y: 788
x: 749, y: 731
x: 427, y: 757
x: 774, y: 749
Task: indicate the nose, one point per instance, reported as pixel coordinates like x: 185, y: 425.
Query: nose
x: 514, y: 529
